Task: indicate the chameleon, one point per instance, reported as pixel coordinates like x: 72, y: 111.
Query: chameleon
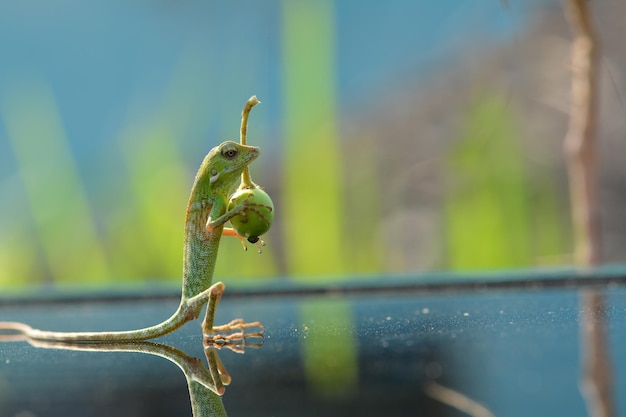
x: 207, y: 214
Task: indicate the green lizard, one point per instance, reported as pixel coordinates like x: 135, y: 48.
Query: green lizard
x: 207, y: 214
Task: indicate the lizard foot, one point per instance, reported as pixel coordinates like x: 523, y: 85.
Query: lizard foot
x: 235, y: 336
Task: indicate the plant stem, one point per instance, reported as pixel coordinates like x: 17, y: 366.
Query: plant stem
x: 580, y: 142
x: 246, y: 180
x: 581, y: 151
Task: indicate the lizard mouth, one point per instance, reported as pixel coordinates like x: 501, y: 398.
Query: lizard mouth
x: 254, y: 154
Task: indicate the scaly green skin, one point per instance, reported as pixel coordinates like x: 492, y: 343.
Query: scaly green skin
x: 206, y: 215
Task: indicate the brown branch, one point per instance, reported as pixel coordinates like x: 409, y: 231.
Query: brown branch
x: 457, y: 400
x: 596, y: 382
x: 581, y: 150
x: 580, y: 142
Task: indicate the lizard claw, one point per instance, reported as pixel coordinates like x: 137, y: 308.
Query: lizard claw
x: 235, y: 336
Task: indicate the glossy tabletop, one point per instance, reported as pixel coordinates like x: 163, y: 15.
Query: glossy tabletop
x: 501, y: 346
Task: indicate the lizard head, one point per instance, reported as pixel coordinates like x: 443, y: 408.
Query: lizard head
x: 224, y: 164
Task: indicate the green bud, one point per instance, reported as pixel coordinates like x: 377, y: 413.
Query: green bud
x: 256, y: 219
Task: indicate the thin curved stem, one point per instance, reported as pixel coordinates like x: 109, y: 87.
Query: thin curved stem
x: 246, y: 180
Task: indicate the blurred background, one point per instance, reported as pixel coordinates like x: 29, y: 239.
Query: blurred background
x: 396, y: 136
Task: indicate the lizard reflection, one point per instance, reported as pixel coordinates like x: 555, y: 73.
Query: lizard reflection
x: 206, y: 383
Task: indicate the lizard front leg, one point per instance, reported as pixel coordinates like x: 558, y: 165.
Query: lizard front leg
x: 237, y: 210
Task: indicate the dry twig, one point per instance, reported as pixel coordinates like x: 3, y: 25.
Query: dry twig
x: 581, y: 151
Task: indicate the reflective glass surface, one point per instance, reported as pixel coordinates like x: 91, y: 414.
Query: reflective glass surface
x: 439, y: 346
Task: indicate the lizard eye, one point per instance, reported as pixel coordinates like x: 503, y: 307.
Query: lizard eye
x: 229, y: 153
